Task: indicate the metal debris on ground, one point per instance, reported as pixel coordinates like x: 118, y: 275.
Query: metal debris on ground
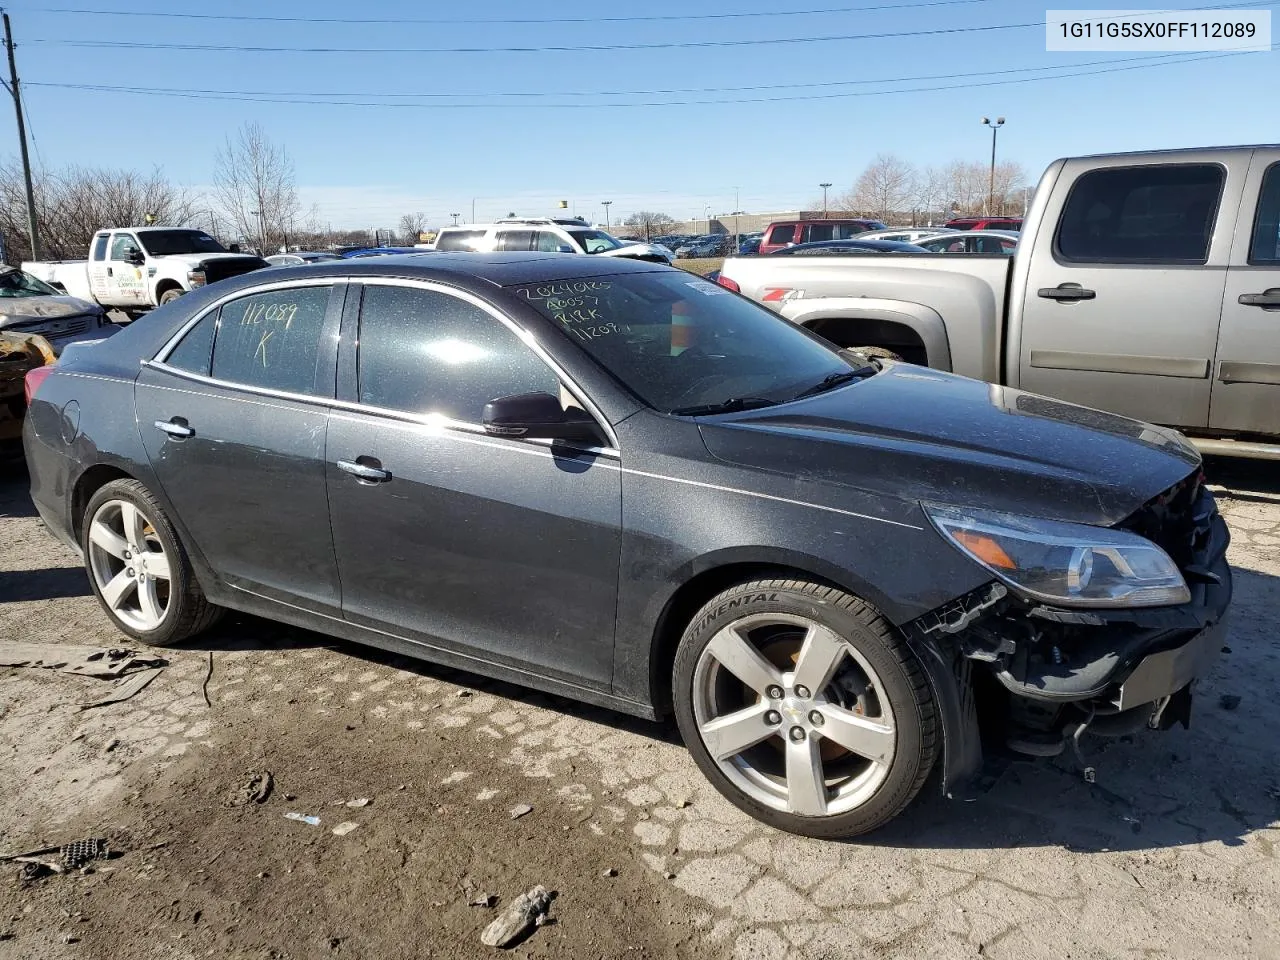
x: 129, y: 688
x: 520, y: 810
x: 519, y: 919
x: 255, y: 789
x: 463, y: 693
x: 80, y: 852
x: 359, y: 802
x: 107, y: 663
x: 303, y: 818
x: 484, y: 900
x: 608, y: 872
x: 1229, y: 701
x: 345, y: 827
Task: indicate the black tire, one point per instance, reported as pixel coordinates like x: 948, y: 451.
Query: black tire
x: 189, y: 612
x: 170, y: 295
x: 881, y: 353
x: 903, y: 679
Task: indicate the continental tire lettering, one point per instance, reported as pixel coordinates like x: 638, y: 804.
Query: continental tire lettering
x: 730, y: 604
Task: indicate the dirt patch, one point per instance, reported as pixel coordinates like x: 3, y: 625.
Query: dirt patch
x: 207, y: 871
x: 701, y: 267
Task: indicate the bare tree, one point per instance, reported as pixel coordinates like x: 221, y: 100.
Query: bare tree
x: 649, y: 223
x: 73, y: 203
x: 254, y: 184
x: 930, y: 193
x: 1010, y: 181
x: 965, y: 183
x: 885, y: 187
x: 412, y: 224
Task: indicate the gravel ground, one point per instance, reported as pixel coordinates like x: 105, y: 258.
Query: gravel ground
x: 1171, y: 854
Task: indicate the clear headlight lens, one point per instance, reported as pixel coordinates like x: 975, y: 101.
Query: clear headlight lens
x: 1065, y: 563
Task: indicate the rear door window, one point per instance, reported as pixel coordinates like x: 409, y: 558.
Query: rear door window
x: 1265, y: 247
x: 100, y: 246
x: 515, y: 240
x: 423, y: 351
x: 271, y: 339
x: 459, y: 240
x: 819, y: 231
x: 1149, y: 214
x: 783, y: 233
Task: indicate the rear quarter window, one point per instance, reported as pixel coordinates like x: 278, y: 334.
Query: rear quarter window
x: 459, y: 240
x: 782, y: 233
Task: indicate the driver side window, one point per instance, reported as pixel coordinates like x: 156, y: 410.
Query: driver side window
x: 122, y: 245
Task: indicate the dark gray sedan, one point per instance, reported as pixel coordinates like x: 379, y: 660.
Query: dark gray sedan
x: 619, y: 482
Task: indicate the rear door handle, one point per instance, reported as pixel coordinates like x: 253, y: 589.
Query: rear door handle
x: 176, y: 428
x: 1066, y: 293
x: 367, y: 471
x: 1268, y: 298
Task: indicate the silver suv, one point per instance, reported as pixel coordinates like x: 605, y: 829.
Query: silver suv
x: 547, y: 235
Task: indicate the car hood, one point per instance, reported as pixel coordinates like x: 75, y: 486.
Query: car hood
x: 195, y: 259
x: 25, y: 309
x: 922, y: 435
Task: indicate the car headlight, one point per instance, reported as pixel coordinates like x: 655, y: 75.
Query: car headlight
x: 1065, y: 563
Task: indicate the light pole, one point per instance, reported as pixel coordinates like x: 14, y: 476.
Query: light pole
x: 825, y: 187
x: 605, y: 204
x: 706, y: 215
x: 991, y: 188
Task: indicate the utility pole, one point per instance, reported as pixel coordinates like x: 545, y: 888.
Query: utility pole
x: 33, y: 232
x: 605, y: 204
x: 991, y: 187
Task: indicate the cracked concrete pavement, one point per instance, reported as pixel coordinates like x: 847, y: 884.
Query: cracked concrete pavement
x: 1172, y: 854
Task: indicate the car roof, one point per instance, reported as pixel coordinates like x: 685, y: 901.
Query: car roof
x: 888, y: 246
x: 500, y: 269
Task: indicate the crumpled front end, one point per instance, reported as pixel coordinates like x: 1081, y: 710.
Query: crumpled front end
x: 1035, y: 678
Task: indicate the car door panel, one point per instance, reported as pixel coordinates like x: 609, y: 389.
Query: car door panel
x: 497, y: 548
x: 242, y: 464
x: 125, y: 286
x: 1125, y: 285
x: 1246, y: 387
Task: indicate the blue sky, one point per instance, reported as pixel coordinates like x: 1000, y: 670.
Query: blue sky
x: 365, y: 165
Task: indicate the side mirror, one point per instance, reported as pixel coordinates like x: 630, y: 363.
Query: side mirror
x: 134, y: 255
x: 540, y: 416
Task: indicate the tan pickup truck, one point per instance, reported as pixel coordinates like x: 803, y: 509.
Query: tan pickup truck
x: 1147, y: 284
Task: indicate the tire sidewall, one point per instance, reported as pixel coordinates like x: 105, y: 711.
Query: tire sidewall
x: 903, y: 778
x: 179, y: 569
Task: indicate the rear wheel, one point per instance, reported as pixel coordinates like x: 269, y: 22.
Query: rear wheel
x: 805, y: 708
x: 138, y: 568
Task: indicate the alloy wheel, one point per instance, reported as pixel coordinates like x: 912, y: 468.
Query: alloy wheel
x: 793, y: 715
x: 129, y: 565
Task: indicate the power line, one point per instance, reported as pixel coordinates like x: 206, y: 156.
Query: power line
x: 307, y: 95
x: 525, y: 94
x: 577, y: 48
x: 401, y: 21
x: 144, y: 91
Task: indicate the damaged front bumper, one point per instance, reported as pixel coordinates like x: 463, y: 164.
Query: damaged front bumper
x: 1032, y: 678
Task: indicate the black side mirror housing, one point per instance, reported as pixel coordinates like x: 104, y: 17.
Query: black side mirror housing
x: 538, y: 416
x: 134, y: 256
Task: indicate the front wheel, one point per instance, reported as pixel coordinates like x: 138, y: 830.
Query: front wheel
x: 805, y: 707
x: 139, y: 571
x: 170, y: 295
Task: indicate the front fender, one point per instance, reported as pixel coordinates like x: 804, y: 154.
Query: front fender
x: 925, y: 321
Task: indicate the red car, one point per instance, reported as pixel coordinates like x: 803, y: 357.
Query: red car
x: 985, y: 223
x: 787, y: 233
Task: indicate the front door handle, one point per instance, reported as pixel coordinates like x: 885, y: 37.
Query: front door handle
x: 176, y: 427
x: 1268, y: 298
x: 109, y: 273
x: 370, y: 471
x: 1066, y: 293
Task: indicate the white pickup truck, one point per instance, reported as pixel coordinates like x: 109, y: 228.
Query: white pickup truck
x: 136, y: 268
x: 1144, y: 284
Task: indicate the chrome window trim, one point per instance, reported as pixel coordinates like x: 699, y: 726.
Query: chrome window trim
x: 525, y: 337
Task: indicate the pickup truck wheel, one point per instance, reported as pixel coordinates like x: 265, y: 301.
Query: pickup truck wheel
x: 138, y: 568
x: 170, y: 295
x: 805, y: 708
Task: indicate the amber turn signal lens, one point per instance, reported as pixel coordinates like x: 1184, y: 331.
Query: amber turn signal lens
x: 985, y: 549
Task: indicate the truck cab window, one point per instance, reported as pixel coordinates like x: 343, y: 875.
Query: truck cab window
x: 122, y: 246
x: 100, y: 247
x: 1148, y: 214
x: 1265, y: 248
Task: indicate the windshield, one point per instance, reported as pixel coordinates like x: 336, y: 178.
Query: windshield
x: 15, y: 283
x: 680, y: 342
x: 595, y: 241
x: 163, y: 243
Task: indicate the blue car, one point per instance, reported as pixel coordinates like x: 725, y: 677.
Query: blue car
x: 379, y: 252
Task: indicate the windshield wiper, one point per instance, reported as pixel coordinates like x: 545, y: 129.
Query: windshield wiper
x: 836, y: 379
x: 732, y: 405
